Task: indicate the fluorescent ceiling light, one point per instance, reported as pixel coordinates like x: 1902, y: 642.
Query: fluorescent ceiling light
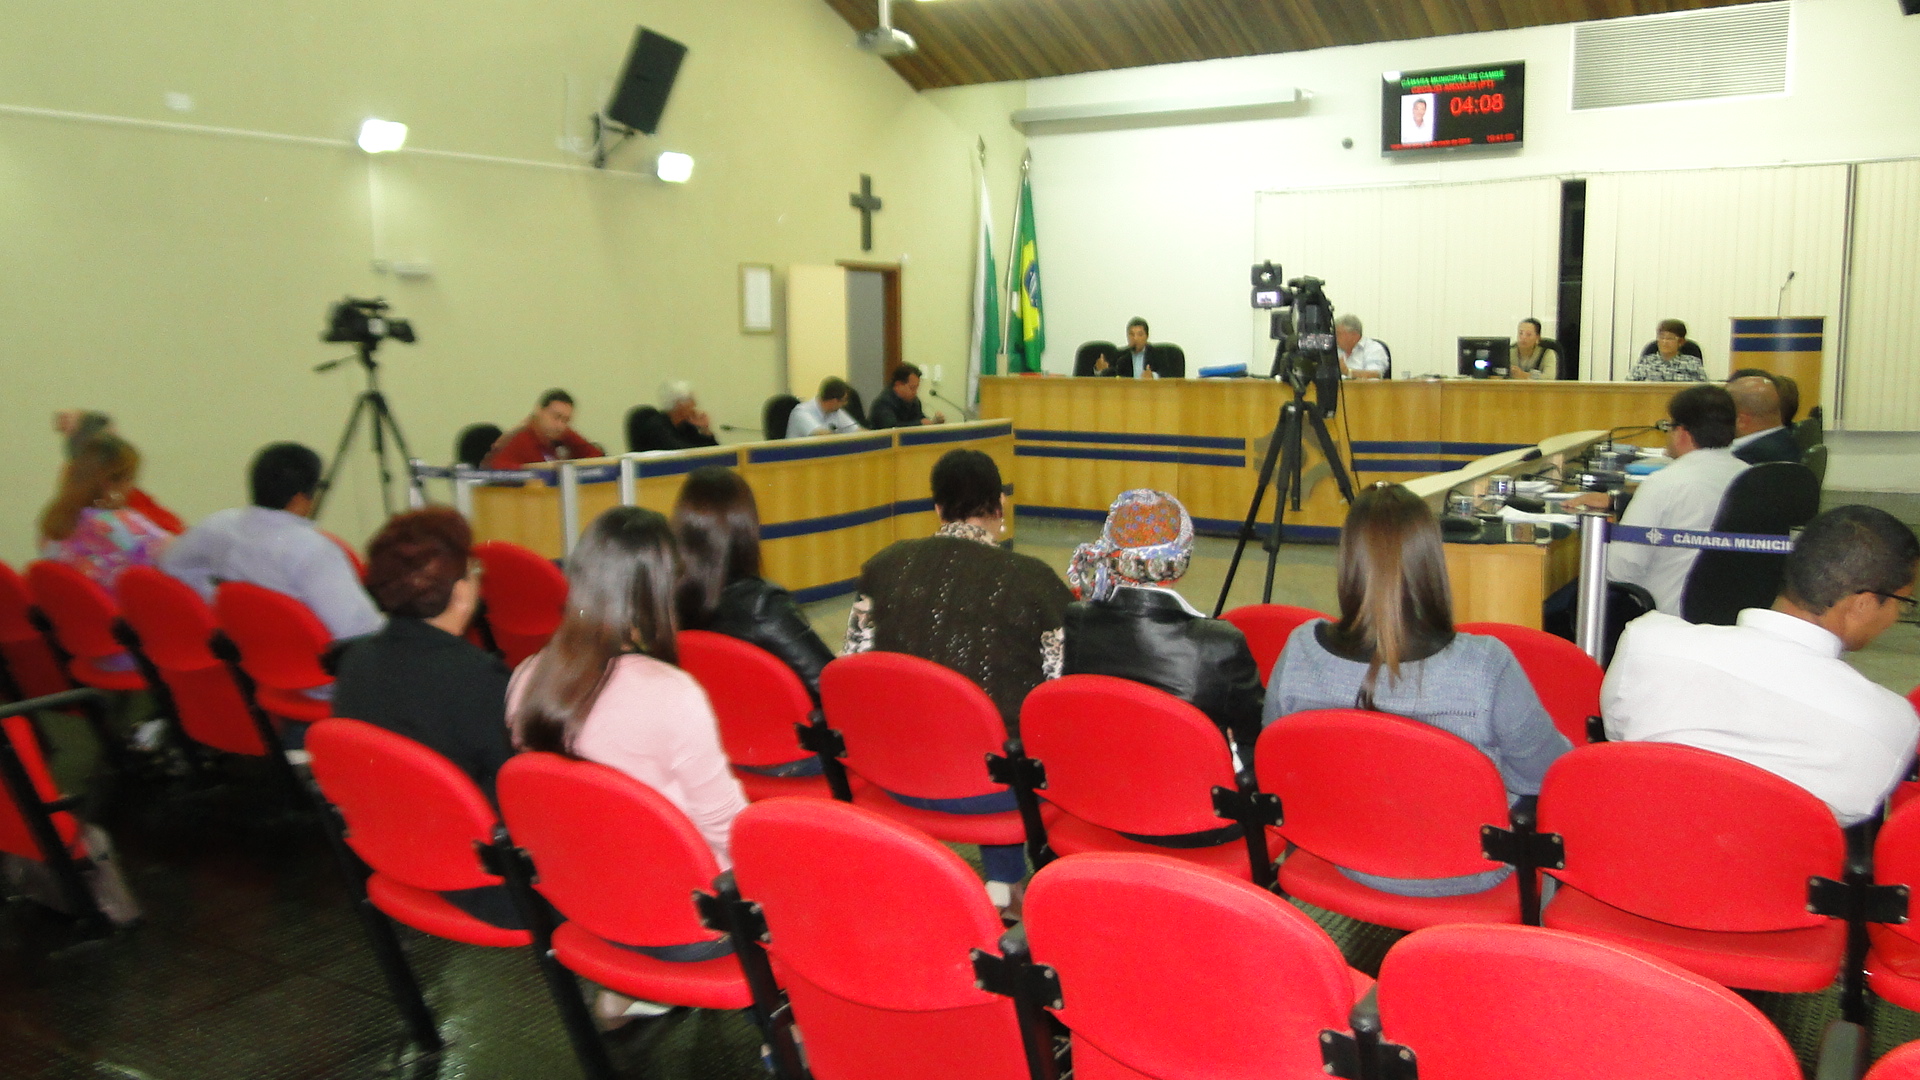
x: 673, y: 168
x: 381, y: 136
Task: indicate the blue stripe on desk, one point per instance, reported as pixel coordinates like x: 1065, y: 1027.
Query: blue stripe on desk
x: 839, y: 447
x: 1407, y: 465
x: 1199, y: 442
x: 1808, y: 343
x: 927, y: 438
x: 828, y: 523
x: 1168, y: 457
x: 1800, y: 325
x: 643, y: 469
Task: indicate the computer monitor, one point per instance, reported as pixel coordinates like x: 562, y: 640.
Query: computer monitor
x: 1484, y: 357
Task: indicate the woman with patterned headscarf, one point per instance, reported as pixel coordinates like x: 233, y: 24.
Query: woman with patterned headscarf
x: 1130, y: 623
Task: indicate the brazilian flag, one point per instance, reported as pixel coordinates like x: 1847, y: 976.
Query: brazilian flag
x: 1026, y: 330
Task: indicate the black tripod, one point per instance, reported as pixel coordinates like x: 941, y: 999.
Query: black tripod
x: 372, y: 403
x: 1285, y: 446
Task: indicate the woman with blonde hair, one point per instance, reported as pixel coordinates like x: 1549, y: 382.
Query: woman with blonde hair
x: 88, y: 524
x: 1394, y: 650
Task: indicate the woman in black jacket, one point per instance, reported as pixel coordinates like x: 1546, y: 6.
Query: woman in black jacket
x: 718, y: 526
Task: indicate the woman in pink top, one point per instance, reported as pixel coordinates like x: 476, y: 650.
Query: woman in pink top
x: 606, y: 689
x: 88, y: 524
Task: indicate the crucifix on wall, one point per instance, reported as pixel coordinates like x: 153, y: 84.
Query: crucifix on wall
x: 868, y: 204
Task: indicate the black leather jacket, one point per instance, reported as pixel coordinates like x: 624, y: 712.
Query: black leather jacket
x: 1149, y: 637
x: 761, y: 613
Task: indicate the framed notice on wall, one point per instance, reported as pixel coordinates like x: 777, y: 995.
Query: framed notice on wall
x: 756, y: 298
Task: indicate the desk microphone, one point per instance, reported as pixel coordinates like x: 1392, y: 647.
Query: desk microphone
x: 1782, y: 308
x: 965, y: 413
x: 735, y: 427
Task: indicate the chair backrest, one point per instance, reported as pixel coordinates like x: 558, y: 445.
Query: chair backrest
x: 855, y: 407
x: 15, y: 837
x: 611, y: 853
x: 1626, y: 601
x: 773, y: 417
x: 1896, y: 859
x: 1688, y: 836
x: 29, y: 660
x: 473, y: 442
x: 1811, y: 430
x: 1385, y: 348
x: 870, y: 924
x: 1085, y: 355
x: 1519, y: 1002
x: 1773, y: 498
x: 1267, y: 628
x: 353, y: 557
x: 1815, y: 459
x: 280, y: 641
x: 16, y: 599
x: 525, y: 597
x: 175, y: 626
x: 1172, y: 970
x: 1900, y: 1063
x: 81, y: 611
x: 410, y: 814
x: 912, y: 726
x: 1173, y: 360
x: 1382, y: 794
x: 756, y: 698
x: 1126, y: 756
x: 1689, y: 347
x: 637, y: 418
x: 1566, y: 679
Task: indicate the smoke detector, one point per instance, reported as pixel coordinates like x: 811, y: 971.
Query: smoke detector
x: 885, y: 40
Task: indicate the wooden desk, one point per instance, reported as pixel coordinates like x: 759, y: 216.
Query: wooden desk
x: 827, y: 504
x: 1080, y: 442
x: 1507, y: 583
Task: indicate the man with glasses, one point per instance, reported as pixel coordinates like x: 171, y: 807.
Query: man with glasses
x: 1773, y: 690
x: 1685, y: 495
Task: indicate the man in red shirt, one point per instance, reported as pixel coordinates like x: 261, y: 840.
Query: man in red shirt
x: 547, y: 435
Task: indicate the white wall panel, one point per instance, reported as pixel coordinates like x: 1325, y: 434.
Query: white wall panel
x: 1704, y: 247
x: 1881, y: 388
x: 1422, y: 265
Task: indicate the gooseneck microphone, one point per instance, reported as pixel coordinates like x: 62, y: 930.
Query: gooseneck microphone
x: 1781, y: 309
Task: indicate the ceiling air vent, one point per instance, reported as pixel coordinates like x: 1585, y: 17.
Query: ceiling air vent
x: 1690, y: 56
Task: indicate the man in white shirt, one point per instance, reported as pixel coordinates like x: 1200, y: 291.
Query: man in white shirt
x: 1685, y: 495
x: 1361, y: 357
x: 826, y: 414
x: 1773, y: 690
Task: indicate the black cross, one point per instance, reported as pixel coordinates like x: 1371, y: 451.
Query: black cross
x: 868, y: 205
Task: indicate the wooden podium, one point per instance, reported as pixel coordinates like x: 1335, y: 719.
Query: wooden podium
x: 1791, y: 346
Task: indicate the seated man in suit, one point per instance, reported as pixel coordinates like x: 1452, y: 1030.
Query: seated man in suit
x: 1773, y: 690
x: 899, y: 405
x: 825, y: 414
x: 679, y: 424
x: 547, y: 435
x: 1361, y: 357
x: 1760, y: 435
x: 1139, y: 360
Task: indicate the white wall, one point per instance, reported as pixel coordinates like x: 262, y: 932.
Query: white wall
x: 1160, y: 222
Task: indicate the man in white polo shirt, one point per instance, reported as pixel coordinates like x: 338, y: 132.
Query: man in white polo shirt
x: 1773, y: 690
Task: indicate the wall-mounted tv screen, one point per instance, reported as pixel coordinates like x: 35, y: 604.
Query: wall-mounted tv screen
x: 1450, y: 107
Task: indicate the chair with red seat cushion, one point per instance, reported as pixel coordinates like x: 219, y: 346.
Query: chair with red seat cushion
x: 1523, y: 1003
x: 1387, y: 796
x: 1168, y: 969
x: 620, y: 863
x: 27, y: 658
x: 914, y: 727
x: 1125, y: 758
x: 174, y: 629
x: 280, y: 644
x: 523, y: 597
x: 1900, y: 1063
x: 1909, y: 787
x: 870, y: 926
x: 409, y: 825
x: 1893, y: 964
x: 83, y: 616
x: 1267, y: 628
x: 1566, y: 679
x: 1697, y: 858
x: 34, y: 821
x: 760, y: 704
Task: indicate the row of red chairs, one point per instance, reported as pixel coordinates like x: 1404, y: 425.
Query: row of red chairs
x: 879, y: 945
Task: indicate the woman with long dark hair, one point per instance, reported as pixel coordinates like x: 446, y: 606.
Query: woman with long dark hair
x: 717, y: 523
x: 1395, y: 650
x: 88, y: 524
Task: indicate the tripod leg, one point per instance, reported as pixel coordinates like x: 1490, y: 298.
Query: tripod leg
x: 1287, y: 485
x: 1332, y: 454
x: 1253, y: 510
x: 339, y: 454
x: 384, y: 413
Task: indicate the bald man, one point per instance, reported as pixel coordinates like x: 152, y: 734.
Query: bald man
x: 1760, y: 435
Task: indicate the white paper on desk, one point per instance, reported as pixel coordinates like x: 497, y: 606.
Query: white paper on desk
x: 1535, y: 488
x: 1508, y: 513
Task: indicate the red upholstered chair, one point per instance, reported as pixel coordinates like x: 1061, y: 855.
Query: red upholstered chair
x: 1267, y: 627
x: 761, y: 705
x: 1909, y: 787
x: 83, y: 615
x: 1697, y: 858
x: 621, y: 864
x: 914, y: 727
x: 359, y: 564
x: 1893, y: 964
x: 34, y: 821
x: 870, y: 925
x: 1167, y: 969
x: 523, y: 597
x: 173, y: 628
x: 280, y: 644
x: 1121, y: 757
x: 1522, y: 1003
x: 1900, y: 1063
x: 1392, y: 797
x: 1567, y: 680
x: 28, y: 666
x: 408, y: 825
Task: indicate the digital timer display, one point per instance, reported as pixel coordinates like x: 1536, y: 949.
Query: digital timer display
x: 1452, y: 107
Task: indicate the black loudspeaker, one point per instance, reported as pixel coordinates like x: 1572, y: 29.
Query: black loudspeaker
x: 652, y: 64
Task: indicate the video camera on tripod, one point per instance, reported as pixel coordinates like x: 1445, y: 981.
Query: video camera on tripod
x: 1302, y: 323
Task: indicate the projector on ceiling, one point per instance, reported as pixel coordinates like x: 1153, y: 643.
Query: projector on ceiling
x: 887, y: 41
